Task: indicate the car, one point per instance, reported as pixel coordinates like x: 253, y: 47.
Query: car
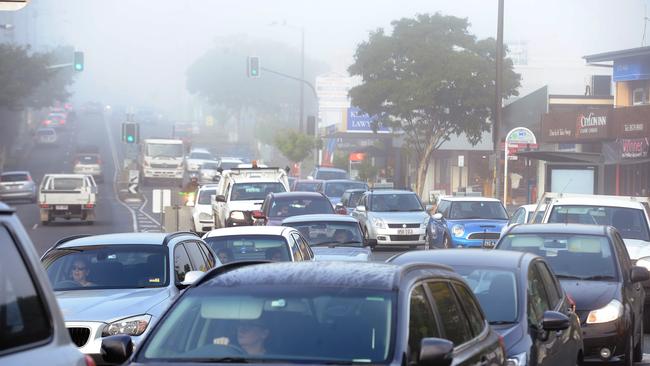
x: 67, y: 196
x: 527, y: 214
x: 327, y: 173
x: 332, y: 237
x: 522, y: 300
x: 46, y: 136
x: 467, y: 222
x: 306, y: 185
x: 32, y: 331
x: 209, y: 172
x: 350, y: 313
x: 278, y: 206
x: 17, y: 185
x: 292, y: 180
x: 198, y: 157
x: 392, y: 217
x: 275, y: 243
x: 88, y: 163
x: 121, y: 283
x: 202, y: 220
x: 334, y: 188
x: 55, y: 120
x: 227, y: 163
x: 595, y: 269
x: 349, y: 201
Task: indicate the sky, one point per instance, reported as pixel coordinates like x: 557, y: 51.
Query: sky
x: 137, y: 51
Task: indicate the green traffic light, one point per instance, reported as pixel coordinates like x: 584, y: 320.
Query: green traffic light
x: 78, y: 67
x: 130, y: 138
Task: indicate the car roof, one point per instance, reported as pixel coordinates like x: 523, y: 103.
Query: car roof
x: 200, y: 149
x: 465, y: 257
x: 248, y: 230
x: 297, y: 194
x: 315, y: 181
x: 390, y: 191
x: 559, y: 228
x: 318, y: 217
x: 117, y: 239
x: 470, y: 199
x: 599, y: 201
x: 231, y: 160
x: 343, y: 181
x: 15, y: 172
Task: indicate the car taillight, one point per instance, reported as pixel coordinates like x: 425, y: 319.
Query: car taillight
x: 89, y: 205
x: 47, y: 122
x: 62, y: 121
x: 89, y: 361
x: 44, y: 205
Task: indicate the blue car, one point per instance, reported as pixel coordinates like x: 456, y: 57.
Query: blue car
x: 466, y: 222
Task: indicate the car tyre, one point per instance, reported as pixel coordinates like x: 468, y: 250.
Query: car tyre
x: 646, y: 319
x: 638, y: 349
x: 629, y: 352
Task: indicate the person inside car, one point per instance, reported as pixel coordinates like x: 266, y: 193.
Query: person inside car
x: 274, y: 254
x: 251, y: 337
x: 341, y: 236
x: 80, y: 271
x: 225, y: 255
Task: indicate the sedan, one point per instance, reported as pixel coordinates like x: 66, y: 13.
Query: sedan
x: 17, y: 185
x: 522, y: 300
x: 278, y: 206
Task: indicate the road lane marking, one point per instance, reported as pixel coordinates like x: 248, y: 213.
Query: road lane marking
x: 34, y: 227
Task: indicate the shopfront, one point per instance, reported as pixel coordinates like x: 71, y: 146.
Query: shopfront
x: 630, y: 150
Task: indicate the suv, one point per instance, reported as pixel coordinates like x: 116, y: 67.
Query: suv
x: 325, y: 173
x: 279, y: 206
x: 17, y: 185
x: 88, y: 163
x: 121, y: 283
x: 31, y: 326
x: 392, y: 217
x: 321, y: 313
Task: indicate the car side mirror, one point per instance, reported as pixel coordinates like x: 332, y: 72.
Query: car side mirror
x: 220, y: 198
x: 258, y: 215
x: 437, y: 216
x: 435, y: 352
x: 191, y: 277
x: 639, y: 274
x: 553, y: 321
x: 117, y: 349
x: 372, y: 243
x: 216, y: 178
x: 361, y: 208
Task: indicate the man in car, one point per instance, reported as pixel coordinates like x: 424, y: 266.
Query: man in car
x: 225, y: 255
x: 341, y: 236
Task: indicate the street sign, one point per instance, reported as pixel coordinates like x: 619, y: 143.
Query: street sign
x: 13, y: 5
x: 461, y: 161
x: 134, y: 178
x: 517, y: 136
x: 160, y: 198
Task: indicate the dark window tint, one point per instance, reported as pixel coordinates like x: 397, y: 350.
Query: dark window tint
x: 287, y: 207
x: 443, y: 208
x: 476, y: 320
x: 422, y: 323
x: 537, y: 298
x: 182, y: 263
x: 630, y: 222
x: 303, y: 246
x: 198, y: 261
x: 353, y: 199
x: 295, y: 249
x: 14, y: 177
x: 306, y: 187
x: 23, y: 318
x: 454, y: 322
x: 249, y: 247
x: 554, y: 294
x: 466, y: 210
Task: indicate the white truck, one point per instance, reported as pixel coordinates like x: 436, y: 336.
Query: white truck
x: 67, y: 196
x: 242, y: 191
x: 162, y: 159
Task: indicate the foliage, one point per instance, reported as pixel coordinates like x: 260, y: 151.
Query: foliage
x: 341, y: 160
x: 54, y: 88
x: 367, y: 171
x: 20, y: 74
x: 430, y: 78
x: 294, y: 145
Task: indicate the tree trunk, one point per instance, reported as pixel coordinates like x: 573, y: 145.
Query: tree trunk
x: 423, y: 168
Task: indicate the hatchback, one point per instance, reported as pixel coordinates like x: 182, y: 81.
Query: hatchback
x: 17, y: 185
x: 278, y: 206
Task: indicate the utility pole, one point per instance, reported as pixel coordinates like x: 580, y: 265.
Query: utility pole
x: 302, y: 77
x: 496, y: 127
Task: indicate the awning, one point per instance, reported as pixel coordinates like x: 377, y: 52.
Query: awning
x: 571, y: 157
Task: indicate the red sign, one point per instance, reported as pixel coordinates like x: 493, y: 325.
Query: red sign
x: 357, y: 156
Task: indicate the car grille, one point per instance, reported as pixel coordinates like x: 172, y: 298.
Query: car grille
x: 164, y: 166
x: 404, y: 237
x: 481, y: 236
x: 403, y: 226
x: 79, y: 336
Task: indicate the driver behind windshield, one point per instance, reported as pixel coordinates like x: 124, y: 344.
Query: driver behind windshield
x: 79, y: 272
x: 342, y: 236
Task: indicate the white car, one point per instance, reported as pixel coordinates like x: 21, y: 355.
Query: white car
x: 202, y: 219
x: 209, y: 172
x: 196, y: 158
x: 46, y: 137
x: 229, y: 163
x: 524, y: 213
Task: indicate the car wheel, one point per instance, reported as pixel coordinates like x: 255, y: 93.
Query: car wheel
x: 629, y: 352
x: 646, y: 319
x: 638, y: 349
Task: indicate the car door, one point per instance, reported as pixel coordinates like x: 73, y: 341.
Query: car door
x: 545, y: 350
x: 199, y: 262
x: 442, y: 209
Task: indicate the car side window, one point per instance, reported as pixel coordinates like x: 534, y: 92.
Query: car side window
x: 182, y: 263
x: 455, y: 324
x: 199, y: 262
x: 537, y: 298
x: 443, y: 208
x: 622, y: 253
x: 476, y: 319
x: 518, y: 216
x: 24, y: 319
x: 554, y: 295
x: 422, y: 322
x: 304, y: 247
x: 295, y: 249
x: 208, y: 255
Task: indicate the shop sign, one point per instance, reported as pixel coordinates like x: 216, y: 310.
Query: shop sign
x: 576, y: 126
x: 590, y: 123
x: 632, y: 122
x: 633, y: 148
x: 357, y: 156
x: 359, y: 121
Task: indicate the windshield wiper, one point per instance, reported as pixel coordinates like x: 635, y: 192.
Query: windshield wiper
x: 501, y: 322
x: 568, y: 277
x: 334, y: 244
x: 597, y: 278
x: 223, y: 360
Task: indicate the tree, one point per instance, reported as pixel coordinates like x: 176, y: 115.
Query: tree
x: 430, y: 79
x: 55, y: 87
x: 20, y: 74
x: 294, y: 145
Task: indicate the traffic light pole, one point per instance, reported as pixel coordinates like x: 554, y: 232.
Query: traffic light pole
x: 303, y: 81
x: 59, y: 66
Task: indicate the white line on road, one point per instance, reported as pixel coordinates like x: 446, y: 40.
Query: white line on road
x: 34, y: 227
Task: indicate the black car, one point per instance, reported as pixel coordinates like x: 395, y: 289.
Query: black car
x: 594, y: 268
x: 321, y: 313
x: 522, y: 300
x: 278, y: 206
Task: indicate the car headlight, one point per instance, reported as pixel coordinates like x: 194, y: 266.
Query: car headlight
x: 458, y: 230
x: 644, y: 262
x: 205, y: 216
x: 608, y: 313
x: 378, y: 223
x: 133, y: 326
x: 237, y: 215
x: 425, y: 222
x: 517, y: 360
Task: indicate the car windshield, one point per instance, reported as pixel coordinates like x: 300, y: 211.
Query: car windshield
x: 247, y: 247
x: 336, y: 189
x: 164, y: 150
x: 15, y: 177
x: 107, y: 267
x: 306, y: 187
x: 630, y: 222
x: 584, y: 257
x: 254, y: 191
x: 331, y: 174
x: 87, y: 159
x: 329, y: 232
x: 205, y: 196
x: 467, y: 210
x: 290, y: 206
x: 302, y: 325
x: 397, y: 202
x: 201, y: 155
x: 496, y: 291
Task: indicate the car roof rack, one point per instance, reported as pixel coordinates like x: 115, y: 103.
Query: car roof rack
x: 227, y: 268
x: 175, y: 234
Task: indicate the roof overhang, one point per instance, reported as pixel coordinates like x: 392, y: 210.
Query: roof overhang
x: 614, y: 55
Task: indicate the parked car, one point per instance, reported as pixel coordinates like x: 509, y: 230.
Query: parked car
x: 522, y: 300
x: 392, y: 217
x: 32, y: 331
x: 335, y: 188
x: 349, y: 201
x: 524, y: 215
x: 332, y: 237
x: 202, y: 220
x: 46, y: 136
x: 327, y: 173
x: 245, y: 243
x: 121, y: 283
x: 596, y: 271
x: 278, y: 206
x: 17, y: 185
x: 306, y: 185
x: 198, y: 157
x: 88, y: 163
x: 467, y: 222
x: 349, y: 313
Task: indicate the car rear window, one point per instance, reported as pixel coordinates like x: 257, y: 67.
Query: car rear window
x: 87, y: 159
x: 630, y: 222
x: 21, y: 177
x: 249, y: 247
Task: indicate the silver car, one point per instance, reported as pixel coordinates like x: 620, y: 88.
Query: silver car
x: 208, y: 172
x: 121, y: 283
x: 17, y: 185
x: 392, y: 217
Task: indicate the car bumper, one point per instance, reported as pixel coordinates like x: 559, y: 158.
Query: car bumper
x: 204, y: 226
x: 472, y: 243
x: 395, y: 237
x: 92, y: 347
x: 163, y: 173
x: 93, y: 172
x: 611, y: 335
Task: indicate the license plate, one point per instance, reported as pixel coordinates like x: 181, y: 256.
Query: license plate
x: 404, y: 231
x: 489, y: 244
x: 61, y: 207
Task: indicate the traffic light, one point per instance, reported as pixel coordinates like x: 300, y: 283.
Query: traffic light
x: 130, y: 132
x: 78, y: 61
x: 254, y: 67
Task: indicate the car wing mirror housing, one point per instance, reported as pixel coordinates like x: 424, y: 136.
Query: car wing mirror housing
x: 553, y: 321
x: 435, y: 352
x: 117, y: 349
x: 639, y: 274
x: 220, y: 198
x: 191, y: 277
x: 437, y: 216
x: 361, y: 208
